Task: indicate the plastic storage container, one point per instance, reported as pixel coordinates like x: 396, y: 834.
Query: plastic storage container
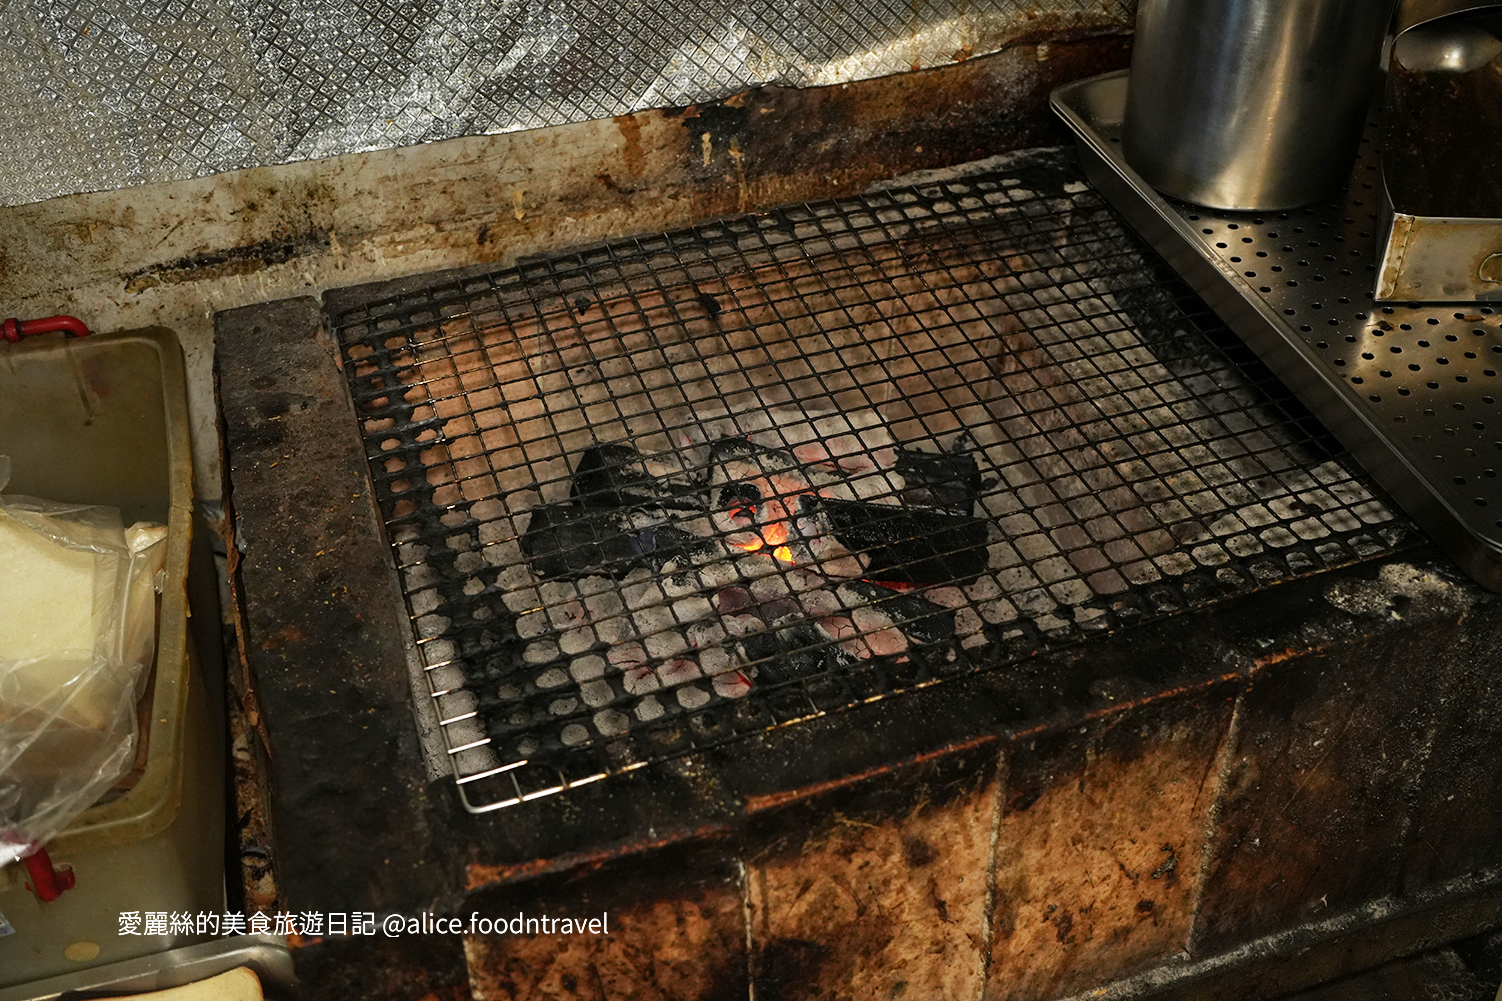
x: 103, y: 420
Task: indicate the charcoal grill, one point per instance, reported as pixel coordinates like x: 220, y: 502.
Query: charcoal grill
x: 977, y: 420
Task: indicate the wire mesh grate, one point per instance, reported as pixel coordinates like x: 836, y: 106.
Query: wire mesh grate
x: 665, y: 493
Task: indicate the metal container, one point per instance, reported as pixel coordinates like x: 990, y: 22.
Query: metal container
x: 1251, y: 104
x: 1442, y: 155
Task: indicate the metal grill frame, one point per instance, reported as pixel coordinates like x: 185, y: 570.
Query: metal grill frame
x: 1036, y: 202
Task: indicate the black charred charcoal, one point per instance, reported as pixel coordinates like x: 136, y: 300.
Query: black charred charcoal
x: 937, y: 479
x: 660, y: 544
x: 920, y: 619
x: 739, y: 495
x: 611, y: 476
x: 616, y: 476
x: 564, y: 541
x: 910, y: 545
x: 792, y: 651
x: 760, y: 649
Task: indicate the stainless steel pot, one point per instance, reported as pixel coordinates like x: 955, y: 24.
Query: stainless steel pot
x: 1251, y: 104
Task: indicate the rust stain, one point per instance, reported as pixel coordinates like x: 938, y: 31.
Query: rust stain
x: 1287, y: 654
x: 478, y: 876
x: 632, y: 155
x: 1117, y: 708
x: 758, y: 804
x: 289, y: 635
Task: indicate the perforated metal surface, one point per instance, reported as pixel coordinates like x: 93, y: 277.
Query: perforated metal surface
x: 1412, y: 389
x: 1427, y: 374
x: 1131, y: 461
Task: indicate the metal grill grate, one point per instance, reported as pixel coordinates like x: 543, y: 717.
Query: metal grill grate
x: 662, y: 494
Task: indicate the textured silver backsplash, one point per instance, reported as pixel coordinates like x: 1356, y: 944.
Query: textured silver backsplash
x: 101, y: 94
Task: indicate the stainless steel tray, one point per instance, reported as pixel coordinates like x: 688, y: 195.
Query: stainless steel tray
x: 1412, y: 391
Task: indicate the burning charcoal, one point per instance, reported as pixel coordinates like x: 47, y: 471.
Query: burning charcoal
x: 769, y: 588
x: 781, y: 608
x: 615, y: 629
x: 705, y: 634
x: 715, y: 660
x: 585, y: 669
x: 731, y: 685
x: 540, y: 652
x: 912, y: 545
x: 819, y: 602
x: 682, y: 585
x: 576, y: 641
x: 842, y: 630
x: 642, y: 594
x: 602, y: 605
x: 692, y: 697
x: 742, y: 625
x: 878, y: 633
x: 664, y: 644
x: 677, y: 671
x: 624, y: 656
x: 691, y: 609
x: 933, y: 479
x: 755, y: 496
x: 637, y: 677
x: 596, y: 694
x: 730, y: 600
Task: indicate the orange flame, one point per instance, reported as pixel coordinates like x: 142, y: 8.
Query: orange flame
x: 775, y: 535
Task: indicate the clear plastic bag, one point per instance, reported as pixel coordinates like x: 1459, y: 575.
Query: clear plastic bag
x: 77, y: 637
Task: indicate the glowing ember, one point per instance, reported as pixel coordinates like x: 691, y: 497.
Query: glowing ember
x: 774, y: 534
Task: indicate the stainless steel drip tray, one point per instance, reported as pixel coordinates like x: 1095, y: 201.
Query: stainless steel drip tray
x: 1411, y: 391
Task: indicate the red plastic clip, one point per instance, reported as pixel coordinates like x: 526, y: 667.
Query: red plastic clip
x: 13, y: 330
x: 46, y: 882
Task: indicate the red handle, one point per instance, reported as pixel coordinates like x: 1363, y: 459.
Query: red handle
x: 13, y: 330
x: 46, y: 882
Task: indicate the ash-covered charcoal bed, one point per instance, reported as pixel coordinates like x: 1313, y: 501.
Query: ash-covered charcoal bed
x: 662, y: 494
